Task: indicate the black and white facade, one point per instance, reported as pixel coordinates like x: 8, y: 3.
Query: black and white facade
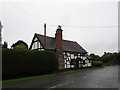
x: 73, y: 54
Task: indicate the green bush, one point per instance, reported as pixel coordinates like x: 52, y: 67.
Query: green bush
x: 20, y: 63
x: 97, y: 63
x: 22, y: 46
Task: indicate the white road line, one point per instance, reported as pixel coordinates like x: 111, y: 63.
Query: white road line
x: 61, y: 84
x: 85, y: 77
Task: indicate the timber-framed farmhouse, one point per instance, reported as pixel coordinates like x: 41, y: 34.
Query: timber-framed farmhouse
x: 70, y: 53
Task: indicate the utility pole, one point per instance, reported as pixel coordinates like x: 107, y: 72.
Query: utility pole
x: 45, y: 34
x: 1, y: 34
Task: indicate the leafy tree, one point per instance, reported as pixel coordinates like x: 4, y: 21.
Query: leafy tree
x: 111, y: 59
x: 95, y: 57
x: 20, y: 45
x: 5, y: 45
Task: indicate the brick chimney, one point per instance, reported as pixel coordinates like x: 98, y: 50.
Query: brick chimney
x: 58, y: 38
x: 59, y: 47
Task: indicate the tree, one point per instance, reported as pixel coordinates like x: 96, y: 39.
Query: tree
x: 5, y: 45
x: 95, y: 57
x: 20, y: 45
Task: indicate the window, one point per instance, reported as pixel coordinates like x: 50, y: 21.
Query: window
x: 72, y: 56
x: 35, y: 45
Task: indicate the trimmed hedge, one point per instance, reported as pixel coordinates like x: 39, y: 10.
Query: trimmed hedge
x: 18, y: 63
x: 97, y: 63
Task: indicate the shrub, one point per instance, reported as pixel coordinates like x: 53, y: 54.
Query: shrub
x: 97, y: 63
x: 20, y: 63
x: 20, y: 47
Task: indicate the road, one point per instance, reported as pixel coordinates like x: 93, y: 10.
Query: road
x: 106, y: 77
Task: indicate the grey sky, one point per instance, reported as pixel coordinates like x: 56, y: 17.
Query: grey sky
x: 22, y: 19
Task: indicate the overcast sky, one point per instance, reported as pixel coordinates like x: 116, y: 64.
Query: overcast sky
x: 92, y: 23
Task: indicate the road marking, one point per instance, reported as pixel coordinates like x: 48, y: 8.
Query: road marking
x: 61, y: 84
x: 85, y: 77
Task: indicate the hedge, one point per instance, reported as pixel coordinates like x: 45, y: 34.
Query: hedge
x: 18, y: 63
x: 97, y: 63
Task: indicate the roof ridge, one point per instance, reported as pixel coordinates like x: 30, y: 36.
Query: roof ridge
x: 54, y: 38
x: 69, y: 41
x: 44, y: 36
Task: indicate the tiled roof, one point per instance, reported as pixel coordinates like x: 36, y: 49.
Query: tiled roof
x: 70, y: 46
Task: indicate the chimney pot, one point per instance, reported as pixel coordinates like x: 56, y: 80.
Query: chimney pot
x: 59, y: 27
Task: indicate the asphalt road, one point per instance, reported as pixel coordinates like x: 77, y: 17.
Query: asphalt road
x: 106, y: 77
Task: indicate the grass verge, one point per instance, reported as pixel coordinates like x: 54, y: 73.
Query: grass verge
x: 47, y: 75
